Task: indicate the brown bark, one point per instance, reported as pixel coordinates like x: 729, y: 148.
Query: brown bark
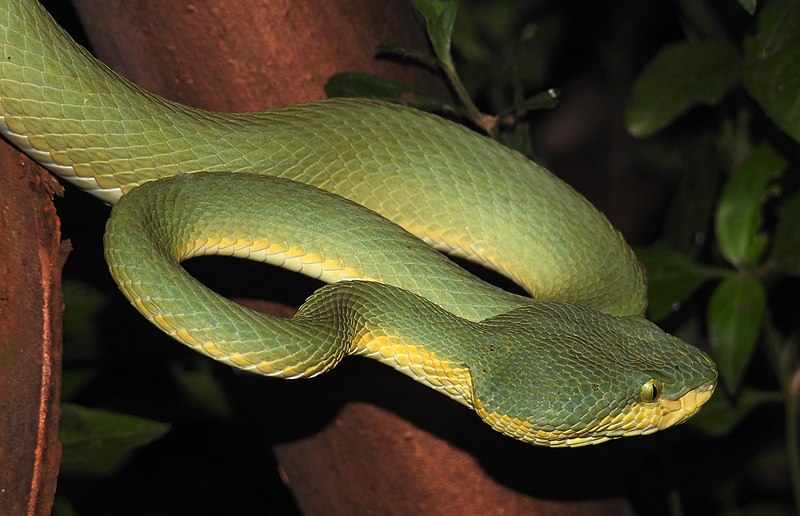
x: 31, y: 258
x: 249, y: 55
x: 238, y: 56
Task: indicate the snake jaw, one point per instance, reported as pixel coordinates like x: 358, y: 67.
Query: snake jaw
x: 646, y: 418
x: 639, y: 419
x: 678, y: 411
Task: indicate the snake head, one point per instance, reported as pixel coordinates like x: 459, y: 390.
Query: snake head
x: 556, y: 374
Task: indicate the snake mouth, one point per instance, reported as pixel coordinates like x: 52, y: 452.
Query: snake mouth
x: 640, y: 419
x: 679, y: 410
x: 646, y: 418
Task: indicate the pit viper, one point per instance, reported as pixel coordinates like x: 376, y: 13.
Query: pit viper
x: 362, y: 195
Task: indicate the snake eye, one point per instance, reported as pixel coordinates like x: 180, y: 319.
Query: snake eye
x: 651, y: 391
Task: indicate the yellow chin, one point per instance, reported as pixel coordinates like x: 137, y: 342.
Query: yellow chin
x: 641, y: 419
x: 674, y: 412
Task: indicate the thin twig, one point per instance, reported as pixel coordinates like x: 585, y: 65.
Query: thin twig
x: 486, y: 122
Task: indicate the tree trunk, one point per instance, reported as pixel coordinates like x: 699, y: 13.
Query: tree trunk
x: 31, y: 258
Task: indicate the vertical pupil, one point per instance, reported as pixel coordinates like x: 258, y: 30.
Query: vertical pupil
x: 650, y: 391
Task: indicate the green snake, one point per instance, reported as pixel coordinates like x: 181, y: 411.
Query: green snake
x: 362, y: 195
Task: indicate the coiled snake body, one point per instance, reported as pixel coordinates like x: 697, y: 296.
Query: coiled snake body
x: 311, y: 188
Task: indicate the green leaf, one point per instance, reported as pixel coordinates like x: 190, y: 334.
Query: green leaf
x: 720, y: 416
x: 738, y: 218
x: 543, y: 100
x: 199, y: 383
x: 357, y: 84
x: 771, y: 74
x: 84, y: 304
x: 688, y: 219
x: 74, y: 379
x: 786, y: 238
x: 734, y: 318
x: 749, y: 6
x: 671, y: 277
x: 404, y: 52
x: 734, y: 141
x: 679, y: 77
x: 439, y: 17
x: 62, y: 507
x: 97, y: 442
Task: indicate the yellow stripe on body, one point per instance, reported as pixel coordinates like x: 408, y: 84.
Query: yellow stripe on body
x: 268, y: 368
x: 292, y: 258
x: 106, y: 189
x: 289, y: 257
x: 460, y: 247
x: 424, y: 366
